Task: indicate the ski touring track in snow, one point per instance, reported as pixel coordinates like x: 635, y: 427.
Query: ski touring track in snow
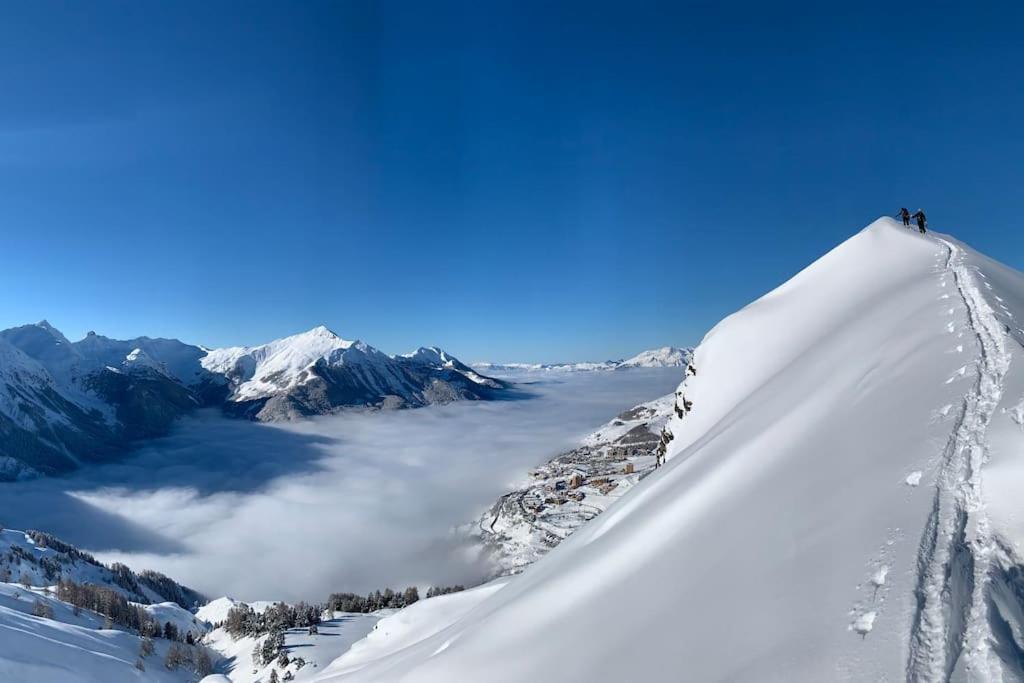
x: 951, y: 636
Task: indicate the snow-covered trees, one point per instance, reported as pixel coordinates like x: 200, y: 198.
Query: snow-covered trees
x: 62, y: 560
x: 389, y: 599
x: 435, y: 591
x: 242, y: 620
x: 111, y: 604
x: 267, y: 650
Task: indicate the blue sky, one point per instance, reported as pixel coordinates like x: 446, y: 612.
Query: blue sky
x: 513, y: 181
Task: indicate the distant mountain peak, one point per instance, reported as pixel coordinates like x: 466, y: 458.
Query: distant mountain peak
x: 663, y: 357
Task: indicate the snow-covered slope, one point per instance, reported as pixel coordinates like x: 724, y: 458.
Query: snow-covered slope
x: 309, y: 653
x: 39, y: 559
x: 74, y: 649
x: 405, y: 628
x: 46, y: 640
x: 840, y: 505
x: 664, y: 357
x: 317, y: 372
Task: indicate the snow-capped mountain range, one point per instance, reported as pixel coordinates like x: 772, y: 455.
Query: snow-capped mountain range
x: 63, y: 402
x: 664, y: 357
x: 317, y: 371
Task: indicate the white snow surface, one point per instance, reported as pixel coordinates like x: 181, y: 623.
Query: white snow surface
x: 407, y: 627
x: 755, y: 554
x: 73, y: 648
x: 336, y: 635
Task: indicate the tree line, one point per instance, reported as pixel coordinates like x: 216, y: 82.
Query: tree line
x: 242, y: 620
x: 386, y: 599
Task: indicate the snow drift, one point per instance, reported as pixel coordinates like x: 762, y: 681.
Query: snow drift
x: 838, y: 502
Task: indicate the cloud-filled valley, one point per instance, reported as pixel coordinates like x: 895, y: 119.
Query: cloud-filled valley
x: 351, y: 502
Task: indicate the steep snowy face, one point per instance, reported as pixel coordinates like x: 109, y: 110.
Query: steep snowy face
x: 268, y: 369
x: 841, y: 505
x: 665, y: 357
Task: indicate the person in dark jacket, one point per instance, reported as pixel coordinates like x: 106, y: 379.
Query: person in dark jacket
x: 905, y: 215
x: 922, y: 222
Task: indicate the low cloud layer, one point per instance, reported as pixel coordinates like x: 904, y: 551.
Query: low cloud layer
x: 353, y: 502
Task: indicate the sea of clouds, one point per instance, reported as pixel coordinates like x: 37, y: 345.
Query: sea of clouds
x: 353, y: 502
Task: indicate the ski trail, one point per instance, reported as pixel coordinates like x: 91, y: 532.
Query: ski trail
x: 951, y: 631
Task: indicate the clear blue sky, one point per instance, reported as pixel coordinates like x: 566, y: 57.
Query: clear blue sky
x: 513, y: 181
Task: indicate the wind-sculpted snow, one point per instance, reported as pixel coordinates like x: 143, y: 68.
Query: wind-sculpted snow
x: 352, y: 502
x: 840, y: 502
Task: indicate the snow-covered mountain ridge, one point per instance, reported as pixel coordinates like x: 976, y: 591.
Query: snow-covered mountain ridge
x: 63, y: 403
x: 317, y: 371
x: 840, y: 505
x: 664, y: 357
x: 66, y: 618
x: 36, y: 558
